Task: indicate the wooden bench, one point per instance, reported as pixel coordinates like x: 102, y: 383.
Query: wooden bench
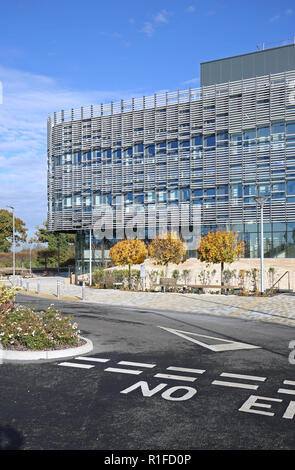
x: 169, y: 282
x: 200, y: 287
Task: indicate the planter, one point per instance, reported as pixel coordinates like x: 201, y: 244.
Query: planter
x: 30, y: 355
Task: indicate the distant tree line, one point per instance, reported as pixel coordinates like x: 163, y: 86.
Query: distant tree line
x: 45, y: 249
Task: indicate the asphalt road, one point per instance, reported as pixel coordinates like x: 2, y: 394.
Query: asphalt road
x: 47, y: 405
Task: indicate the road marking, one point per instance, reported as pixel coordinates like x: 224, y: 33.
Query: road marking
x: 287, y: 391
x: 228, y: 346
x: 246, y: 308
x: 235, y: 385
x: 72, y: 364
x: 184, y: 369
x: 176, y: 377
x: 123, y: 371
x: 289, y: 382
x: 94, y: 359
x: 239, y: 376
x: 137, y: 364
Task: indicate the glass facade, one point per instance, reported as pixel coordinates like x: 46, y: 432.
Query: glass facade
x: 212, y: 149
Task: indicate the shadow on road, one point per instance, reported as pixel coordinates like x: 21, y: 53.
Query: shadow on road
x: 10, y: 439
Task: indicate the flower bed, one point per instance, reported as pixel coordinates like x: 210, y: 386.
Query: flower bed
x: 23, y: 329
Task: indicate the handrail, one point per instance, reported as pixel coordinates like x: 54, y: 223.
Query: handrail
x: 287, y: 272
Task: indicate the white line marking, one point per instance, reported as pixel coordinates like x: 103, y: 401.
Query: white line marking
x: 289, y: 382
x: 94, y: 359
x: 72, y: 364
x: 176, y: 377
x: 183, y: 369
x: 123, y: 371
x: 286, y: 391
x: 239, y: 376
x: 237, y: 385
x: 229, y: 346
x: 137, y: 364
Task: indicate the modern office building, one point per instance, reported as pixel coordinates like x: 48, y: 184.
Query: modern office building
x: 208, y: 150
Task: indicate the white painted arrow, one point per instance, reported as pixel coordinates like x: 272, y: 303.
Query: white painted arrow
x: 227, y: 346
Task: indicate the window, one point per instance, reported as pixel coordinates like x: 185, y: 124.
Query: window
x: 264, y: 189
x: 222, y: 135
x: 249, y: 134
x: 210, y: 140
x: 263, y: 132
x: 198, y: 192
x: 185, y: 144
x: 185, y: 194
x: 197, y: 140
x: 139, y: 198
x: 278, y: 187
x: 236, y: 191
x: 129, y: 197
x: 173, y: 194
x: 290, y: 128
x: 236, y: 139
x: 162, y: 196
x: 222, y: 190
x: 107, y: 153
x: 150, y: 196
x: 291, y: 187
x: 97, y: 199
x: 138, y: 148
x: 128, y: 152
x: 278, y: 127
x: 150, y: 151
x: 210, y: 191
x: 173, y: 144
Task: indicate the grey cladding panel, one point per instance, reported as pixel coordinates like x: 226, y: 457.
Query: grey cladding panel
x: 255, y: 64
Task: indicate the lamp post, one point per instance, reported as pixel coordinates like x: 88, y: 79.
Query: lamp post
x: 261, y: 200
x: 13, y: 241
x: 90, y: 258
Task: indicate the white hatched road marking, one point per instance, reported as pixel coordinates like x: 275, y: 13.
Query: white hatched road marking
x: 123, y: 371
x: 239, y: 376
x: 176, y: 377
x: 184, y: 369
x: 79, y: 366
x: 93, y: 359
x: 235, y: 384
x: 136, y: 364
x: 227, y: 346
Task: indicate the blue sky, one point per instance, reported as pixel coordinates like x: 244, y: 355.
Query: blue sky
x: 62, y: 54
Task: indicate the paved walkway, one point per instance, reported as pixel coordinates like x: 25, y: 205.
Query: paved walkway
x: 277, y: 309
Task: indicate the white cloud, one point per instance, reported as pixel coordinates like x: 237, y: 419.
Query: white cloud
x: 192, y: 81
x: 148, y: 29
x: 190, y: 9
x: 274, y: 18
x: 289, y: 12
x: 162, y: 16
x: 28, y: 99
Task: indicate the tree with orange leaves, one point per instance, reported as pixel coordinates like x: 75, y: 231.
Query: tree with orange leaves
x: 219, y: 248
x: 167, y: 248
x: 128, y: 252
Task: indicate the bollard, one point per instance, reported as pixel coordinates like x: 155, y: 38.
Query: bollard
x: 27, y: 286
x: 58, y: 289
x: 21, y: 282
x: 38, y: 287
x: 83, y: 290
